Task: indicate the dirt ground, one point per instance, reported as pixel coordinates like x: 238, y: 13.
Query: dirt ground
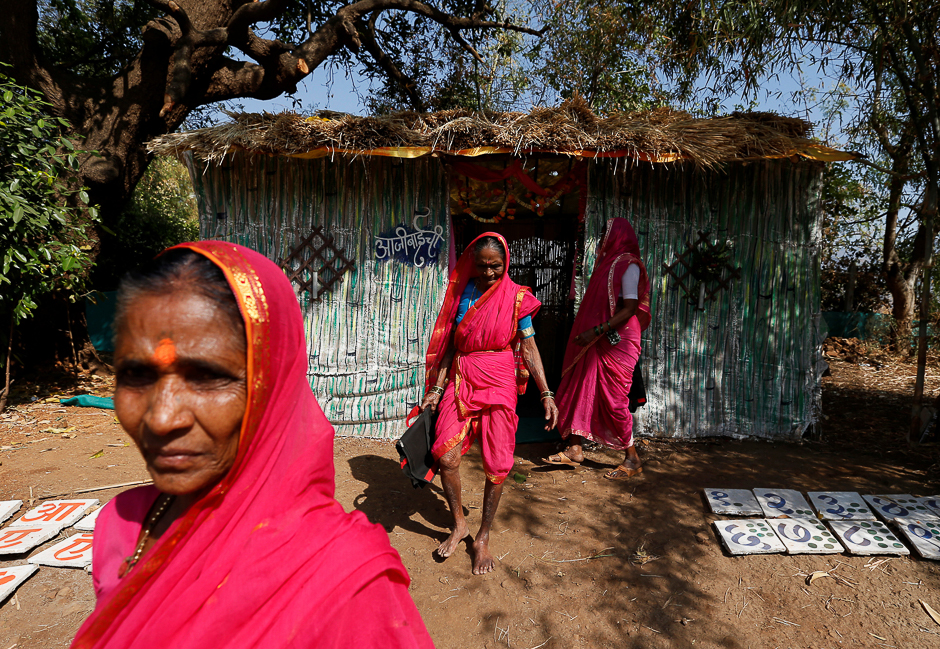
x: 582, y: 561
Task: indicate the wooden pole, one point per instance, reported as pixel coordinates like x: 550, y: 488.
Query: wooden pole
x: 5, y: 395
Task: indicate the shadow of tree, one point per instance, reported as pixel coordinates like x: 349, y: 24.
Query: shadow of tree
x: 584, y: 561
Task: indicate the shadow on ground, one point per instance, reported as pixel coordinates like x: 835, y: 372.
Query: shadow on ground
x: 589, y: 562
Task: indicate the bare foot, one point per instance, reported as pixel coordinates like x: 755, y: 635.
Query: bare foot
x: 483, y: 561
x: 448, y: 547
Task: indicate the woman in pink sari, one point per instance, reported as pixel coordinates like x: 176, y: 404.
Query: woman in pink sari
x: 239, y: 543
x: 484, y: 318
x: 593, y: 398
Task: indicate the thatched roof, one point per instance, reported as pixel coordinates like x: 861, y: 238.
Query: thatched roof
x: 661, y: 135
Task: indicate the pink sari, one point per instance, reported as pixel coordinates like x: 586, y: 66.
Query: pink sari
x: 593, y: 396
x: 486, y: 376
x: 267, y: 558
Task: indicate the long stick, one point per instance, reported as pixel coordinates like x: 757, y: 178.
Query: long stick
x: 91, y: 489
x: 6, y: 388
x: 68, y: 319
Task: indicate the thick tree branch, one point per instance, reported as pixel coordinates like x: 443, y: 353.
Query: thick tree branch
x: 367, y: 32
x: 176, y: 12
x: 19, y: 21
x: 251, y: 13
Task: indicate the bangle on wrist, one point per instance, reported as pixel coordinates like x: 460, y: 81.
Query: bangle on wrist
x: 548, y: 394
x: 436, y: 389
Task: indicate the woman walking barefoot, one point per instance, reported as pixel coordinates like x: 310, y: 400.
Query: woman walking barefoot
x: 473, y: 379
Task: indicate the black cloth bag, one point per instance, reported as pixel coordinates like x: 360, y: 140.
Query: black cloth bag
x: 638, y: 389
x: 414, y: 448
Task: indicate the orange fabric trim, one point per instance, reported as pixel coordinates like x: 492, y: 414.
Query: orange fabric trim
x: 461, y: 406
x: 453, y: 441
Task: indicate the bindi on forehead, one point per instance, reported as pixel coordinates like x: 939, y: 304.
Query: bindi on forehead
x: 165, y: 353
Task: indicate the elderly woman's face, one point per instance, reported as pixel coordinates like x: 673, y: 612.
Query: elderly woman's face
x: 490, y: 266
x: 181, y: 388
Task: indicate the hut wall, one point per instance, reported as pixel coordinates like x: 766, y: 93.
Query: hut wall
x: 367, y: 337
x: 749, y: 363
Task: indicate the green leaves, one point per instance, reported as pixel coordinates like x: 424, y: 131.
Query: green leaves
x: 44, y: 212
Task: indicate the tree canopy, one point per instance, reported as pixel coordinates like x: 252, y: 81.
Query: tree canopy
x: 123, y: 72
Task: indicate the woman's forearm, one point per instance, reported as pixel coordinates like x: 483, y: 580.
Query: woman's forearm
x: 444, y: 369
x: 622, y: 316
x: 533, y: 362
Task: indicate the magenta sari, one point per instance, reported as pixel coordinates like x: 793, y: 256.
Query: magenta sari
x: 486, y: 374
x: 593, y: 397
x: 267, y: 558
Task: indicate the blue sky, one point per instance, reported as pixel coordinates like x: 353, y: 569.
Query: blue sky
x: 324, y: 89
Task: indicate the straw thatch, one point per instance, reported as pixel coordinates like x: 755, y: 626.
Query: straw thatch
x: 571, y: 128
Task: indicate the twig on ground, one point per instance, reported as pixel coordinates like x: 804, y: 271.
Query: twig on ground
x: 780, y: 620
x: 543, y: 644
x: 599, y: 555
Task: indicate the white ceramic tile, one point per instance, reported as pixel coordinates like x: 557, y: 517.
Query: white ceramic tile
x: 733, y: 502
x: 63, y: 513
x: 924, y: 535
x: 17, y: 540
x: 749, y: 536
x: 867, y: 537
x: 931, y: 502
x: 11, y: 577
x: 73, y: 552
x: 777, y: 503
x: 805, y: 536
x: 8, y: 508
x: 87, y: 524
x: 891, y: 506
x: 840, y: 505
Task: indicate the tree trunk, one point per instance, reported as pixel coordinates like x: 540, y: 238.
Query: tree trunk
x: 901, y: 276
x: 849, y: 303
x: 928, y: 214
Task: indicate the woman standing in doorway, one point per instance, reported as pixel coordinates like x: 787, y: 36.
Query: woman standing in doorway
x: 473, y: 378
x: 603, y: 348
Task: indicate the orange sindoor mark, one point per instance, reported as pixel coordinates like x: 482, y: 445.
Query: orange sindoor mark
x: 165, y: 353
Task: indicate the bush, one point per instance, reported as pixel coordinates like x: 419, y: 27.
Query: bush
x: 44, y: 218
x: 161, y: 213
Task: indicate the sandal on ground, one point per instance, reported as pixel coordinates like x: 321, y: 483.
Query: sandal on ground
x: 561, y: 459
x: 623, y: 472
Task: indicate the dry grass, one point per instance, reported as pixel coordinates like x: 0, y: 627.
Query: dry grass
x: 570, y: 128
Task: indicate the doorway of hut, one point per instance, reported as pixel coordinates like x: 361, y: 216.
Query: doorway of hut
x: 536, y: 205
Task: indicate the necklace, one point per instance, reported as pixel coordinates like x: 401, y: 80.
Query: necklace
x: 131, y: 561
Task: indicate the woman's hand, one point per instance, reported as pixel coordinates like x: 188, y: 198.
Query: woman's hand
x: 430, y: 399
x: 585, y: 338
x: 551, y: 413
